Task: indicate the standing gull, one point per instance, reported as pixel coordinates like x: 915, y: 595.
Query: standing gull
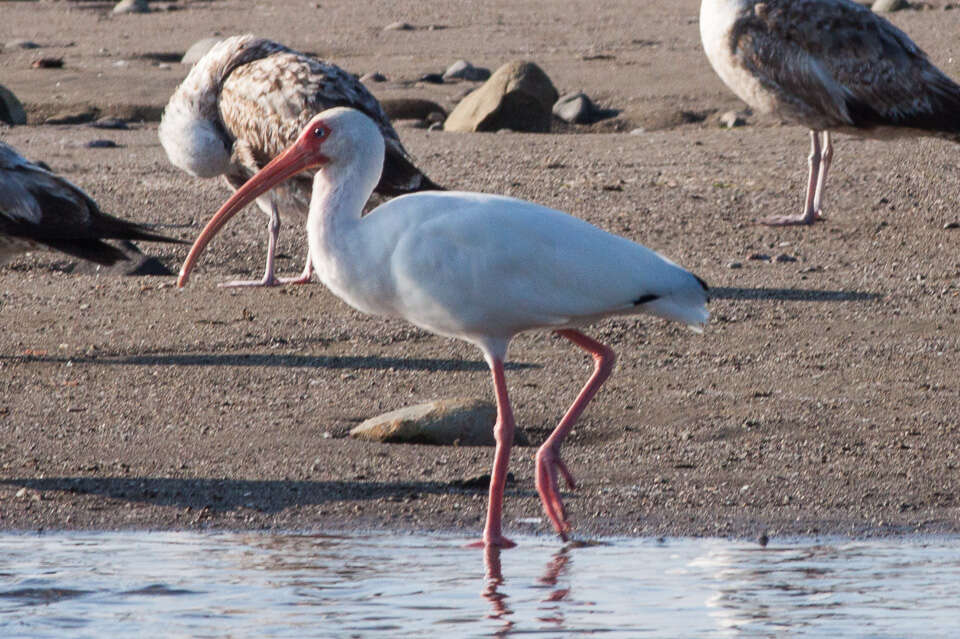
x: 39, y: 209
x: 473, y: 266
x: 244, y: 102
x: 830, y: 65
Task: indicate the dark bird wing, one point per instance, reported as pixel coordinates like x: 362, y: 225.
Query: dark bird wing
x: 41, y: 209
x: 266, y: 103
x: 837, y: 64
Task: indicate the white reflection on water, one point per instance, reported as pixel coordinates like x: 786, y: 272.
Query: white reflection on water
x: 298, y: 585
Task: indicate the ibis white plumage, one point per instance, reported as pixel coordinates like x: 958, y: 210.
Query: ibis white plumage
x: 244, y: 102
x: 40, y: 209
x: 477, y: 267
x: 830, y: 65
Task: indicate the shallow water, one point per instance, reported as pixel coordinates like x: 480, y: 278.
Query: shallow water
x: 295, y: 585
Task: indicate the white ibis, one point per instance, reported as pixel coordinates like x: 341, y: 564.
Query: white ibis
x: 244, y: 102
x: 830, y: 65
x: 478, y: 267
x: 39, y: 209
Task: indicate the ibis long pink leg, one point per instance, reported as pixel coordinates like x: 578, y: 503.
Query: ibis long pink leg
x: 548, y: 456
x: 503, y: 434
x: 816, y: 176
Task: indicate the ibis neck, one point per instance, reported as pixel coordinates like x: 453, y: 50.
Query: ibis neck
x: 340, y: 191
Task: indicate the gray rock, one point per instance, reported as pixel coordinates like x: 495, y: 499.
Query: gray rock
x: 132, y: 6
x: 463, y: 70
x: 578, y: 108
x: 886, y: 6
x: 468, y: 422
x: 518, y: 96
x: 11, y: 111
x: 573, y: 107
x: 199, y: 49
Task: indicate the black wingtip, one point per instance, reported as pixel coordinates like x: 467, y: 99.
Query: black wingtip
x: 114, y: 228
x: 144, y: 234
x: 643, y: 299
x: 706, y: 288
x: 91, y: 249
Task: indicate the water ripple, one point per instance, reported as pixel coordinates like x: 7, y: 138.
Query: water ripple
x: 296, y: 585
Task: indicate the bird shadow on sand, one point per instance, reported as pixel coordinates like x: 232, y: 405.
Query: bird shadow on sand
x: 790, y: 294
x: 225, y: 495
x: 349, y: 362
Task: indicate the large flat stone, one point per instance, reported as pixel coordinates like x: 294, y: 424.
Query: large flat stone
x: 444, y: 422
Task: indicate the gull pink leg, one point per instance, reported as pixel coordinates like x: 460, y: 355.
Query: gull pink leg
x: 548, y: 457
x: 826, y: 157
x: 269, y: 279
x: 814, y: 184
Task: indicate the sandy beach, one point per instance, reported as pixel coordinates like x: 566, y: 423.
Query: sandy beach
x: 823, y: 397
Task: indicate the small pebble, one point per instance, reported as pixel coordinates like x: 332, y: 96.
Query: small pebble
x: 109, y: 123
x: 373, y: 76
x: 101, y: 144
x: 398, y: 26
x: 463, y: 70
x: 763, y: 257
x: 783, y: 257
x: 48, y: 63
x: 732, y: 119
x: 132, y: 6
x: 886, y: 6
x: 23, y: 44
x: 952, y: 225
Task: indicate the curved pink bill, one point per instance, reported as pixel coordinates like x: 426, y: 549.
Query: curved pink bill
x: 295, y: 159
